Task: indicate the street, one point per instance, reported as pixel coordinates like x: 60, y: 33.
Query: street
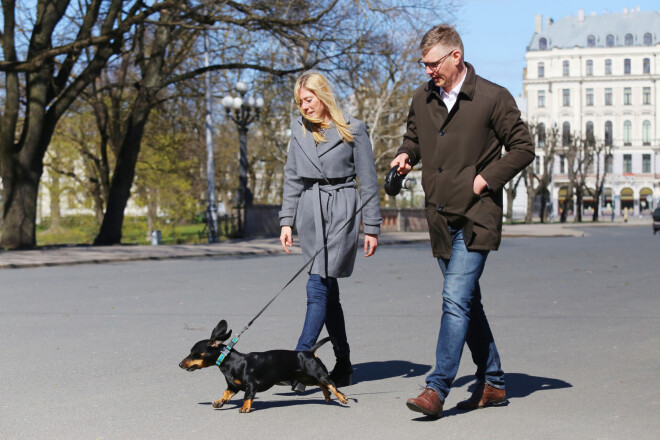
x: 92, y: 351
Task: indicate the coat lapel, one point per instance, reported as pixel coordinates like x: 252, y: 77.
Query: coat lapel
x: 306, y: 141
x: 333, y: 139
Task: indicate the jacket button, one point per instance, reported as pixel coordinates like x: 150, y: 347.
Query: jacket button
x: 441, y: 207
x: 439, y: 169
x: 441, y: 133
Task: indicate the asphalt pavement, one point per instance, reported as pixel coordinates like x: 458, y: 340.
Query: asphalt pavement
x: 84, y: 254
x: 91, y: 351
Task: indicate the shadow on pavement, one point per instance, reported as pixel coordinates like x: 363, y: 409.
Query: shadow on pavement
x: 368, y: 371
x: 519, y: 384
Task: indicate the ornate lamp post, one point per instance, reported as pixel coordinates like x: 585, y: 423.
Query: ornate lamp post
x: 243, y: 112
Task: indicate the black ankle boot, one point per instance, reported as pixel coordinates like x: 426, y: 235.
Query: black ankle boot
x: 342, y: 374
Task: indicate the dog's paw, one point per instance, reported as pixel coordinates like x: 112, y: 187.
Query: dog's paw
x: 342, y: 398
x: 247, y: 406
x: 218, y: 403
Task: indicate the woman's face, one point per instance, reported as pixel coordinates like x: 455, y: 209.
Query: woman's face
x: 312, y: 106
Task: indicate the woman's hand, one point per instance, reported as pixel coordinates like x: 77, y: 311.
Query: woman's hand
x: 286, y: 238
x: 370, y: 244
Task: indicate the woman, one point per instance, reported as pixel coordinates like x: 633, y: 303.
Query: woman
x: 327, y: 153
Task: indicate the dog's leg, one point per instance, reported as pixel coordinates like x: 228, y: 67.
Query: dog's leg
x: 247, y: 400
x: 341, y: 396
x: 326, y: 393
x: 227, y: 395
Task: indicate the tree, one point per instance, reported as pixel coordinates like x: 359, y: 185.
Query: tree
x: 538, y: 182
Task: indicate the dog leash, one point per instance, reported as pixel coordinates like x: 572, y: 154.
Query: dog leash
x: 392, y: 179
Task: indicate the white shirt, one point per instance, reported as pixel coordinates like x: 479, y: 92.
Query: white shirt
x: 450, y: 98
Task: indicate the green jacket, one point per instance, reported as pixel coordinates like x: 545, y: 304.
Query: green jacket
x: 455, y: 147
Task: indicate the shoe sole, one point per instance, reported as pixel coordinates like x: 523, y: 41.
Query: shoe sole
x: 500, y: 402
x: 414, y: 407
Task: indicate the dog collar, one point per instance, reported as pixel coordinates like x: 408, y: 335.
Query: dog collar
x: 225, y: 351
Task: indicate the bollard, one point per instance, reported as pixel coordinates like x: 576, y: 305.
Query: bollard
x: 155, y: 238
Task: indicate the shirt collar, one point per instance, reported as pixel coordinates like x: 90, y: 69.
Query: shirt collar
x: 455, y: 91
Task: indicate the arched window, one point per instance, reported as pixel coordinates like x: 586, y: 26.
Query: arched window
x: 646, y: 132
x: 541, y: 72
x: 609, y: 40
x: 541, y: 135
x: 628, y: 40
x: 590, y: 133
x: 543, y: 43
x: 627, y: 133
x: 591, y: 41
x: 566, y: 134
x: 648, y: 39
x: 608, y: 133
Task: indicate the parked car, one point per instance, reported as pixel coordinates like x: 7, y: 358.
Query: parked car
x: 656, y: 220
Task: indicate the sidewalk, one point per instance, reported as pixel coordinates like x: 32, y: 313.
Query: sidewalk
x: 83, y: 254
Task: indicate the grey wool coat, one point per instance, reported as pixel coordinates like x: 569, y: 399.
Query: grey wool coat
x: 321, y: 195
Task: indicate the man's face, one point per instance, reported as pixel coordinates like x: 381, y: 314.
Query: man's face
x: 441, y: 66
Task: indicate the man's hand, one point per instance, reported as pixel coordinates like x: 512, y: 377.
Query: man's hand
x: 402, y: 162
x: 370, y: 244
x: 479, y: 184
x: 286, y: 238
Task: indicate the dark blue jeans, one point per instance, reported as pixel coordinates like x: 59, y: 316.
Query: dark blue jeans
x: 463, y: 321
x: 323, y: 307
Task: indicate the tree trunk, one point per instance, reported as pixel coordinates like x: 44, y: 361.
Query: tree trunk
x: 20, y: 190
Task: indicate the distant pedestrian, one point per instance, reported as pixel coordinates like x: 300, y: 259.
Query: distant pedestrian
x: 457, y: 125
x: 327, y: 153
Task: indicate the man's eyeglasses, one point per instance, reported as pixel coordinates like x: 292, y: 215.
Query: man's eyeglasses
x: 435, y: 64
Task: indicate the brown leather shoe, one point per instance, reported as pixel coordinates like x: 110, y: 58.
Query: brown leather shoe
x: 484, y: 395
x: 428, y: 403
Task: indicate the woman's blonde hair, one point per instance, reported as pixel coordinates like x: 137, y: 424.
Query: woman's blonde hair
x: 320, y: 86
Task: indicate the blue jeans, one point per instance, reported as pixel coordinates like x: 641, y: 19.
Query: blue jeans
x: 323, y: 307
x: 463, y: 320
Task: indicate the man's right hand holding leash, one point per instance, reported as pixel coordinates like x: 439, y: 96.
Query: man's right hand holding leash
x: 402, y: 162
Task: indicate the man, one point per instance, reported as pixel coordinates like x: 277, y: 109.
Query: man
x: 457, y: 125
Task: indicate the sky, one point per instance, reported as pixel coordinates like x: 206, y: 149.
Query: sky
x: 496, y: 33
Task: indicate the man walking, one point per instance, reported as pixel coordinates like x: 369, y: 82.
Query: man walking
x: 457, y: 125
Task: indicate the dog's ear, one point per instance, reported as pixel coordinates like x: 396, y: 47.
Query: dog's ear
x: 220, y: 332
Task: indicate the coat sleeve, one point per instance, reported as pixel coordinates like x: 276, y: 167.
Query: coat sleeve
x: 293, y: 187
x: 365, y: 168
x: 513, y: 134
x: 410, y: 144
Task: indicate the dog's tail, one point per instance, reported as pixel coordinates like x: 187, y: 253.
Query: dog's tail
x: 319, y: 344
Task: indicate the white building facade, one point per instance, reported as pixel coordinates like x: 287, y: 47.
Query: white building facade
x: 599, y: 75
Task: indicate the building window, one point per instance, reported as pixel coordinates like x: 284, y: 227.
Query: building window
x: 608, y: 133
x: 590, y: 67
x: 541, y: 98
x: 591, y: 41
x: 646, y: 163
x: 608, y: 96
x: 541, y: 72
x: 543, y: 43
x: 590, y: 98
x: 646, y: 63
x: 608, y: 163
x: 627, y: 96
x: 562, y: 164
x: 566, y: 97
x: 566, y: 68
x: 608, y: 67
x: 566, y: 134
x: 541, y: 135
x: 626, y: 66
x: 646, y: 96
x: 648, y: 39
x: 609, y: 40
x: 590, y: 133
x: 628, y: 40
x: 627, y: 163
x: 646, y: 132
x: 627, y: 133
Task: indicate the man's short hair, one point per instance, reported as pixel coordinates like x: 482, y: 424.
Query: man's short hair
x: 444, y: 35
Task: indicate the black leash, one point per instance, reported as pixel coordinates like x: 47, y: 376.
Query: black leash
x: 234, y: 340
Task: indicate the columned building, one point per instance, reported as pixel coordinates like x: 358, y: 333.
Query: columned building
x: 598, y: 77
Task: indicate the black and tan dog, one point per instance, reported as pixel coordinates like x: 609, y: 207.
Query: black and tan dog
x: 254, y: 372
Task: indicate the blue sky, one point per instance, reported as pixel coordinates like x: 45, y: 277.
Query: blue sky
x: 495, y: 33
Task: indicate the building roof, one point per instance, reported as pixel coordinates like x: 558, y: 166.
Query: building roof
x: 574, y: 31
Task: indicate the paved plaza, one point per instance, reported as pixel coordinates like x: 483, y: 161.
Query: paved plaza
x: 91, y: 351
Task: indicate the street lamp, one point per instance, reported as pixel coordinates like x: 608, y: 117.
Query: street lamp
x: 243, y: 112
